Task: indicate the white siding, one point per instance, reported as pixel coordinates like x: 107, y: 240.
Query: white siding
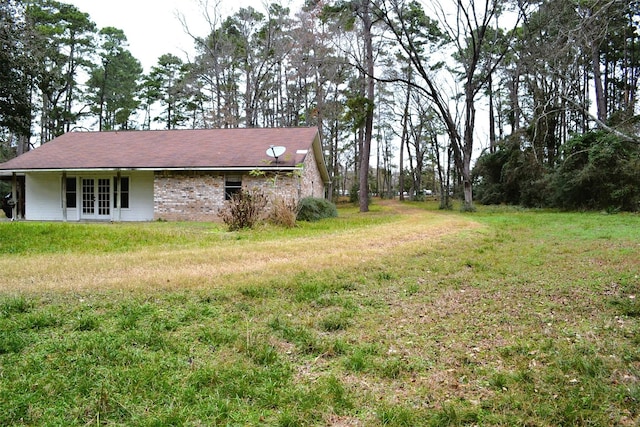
x: 140, y: 197
x: 43, y: 196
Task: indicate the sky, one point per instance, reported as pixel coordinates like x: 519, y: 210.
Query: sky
x: 152, y: 26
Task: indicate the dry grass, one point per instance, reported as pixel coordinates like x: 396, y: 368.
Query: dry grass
x: 225, y: 261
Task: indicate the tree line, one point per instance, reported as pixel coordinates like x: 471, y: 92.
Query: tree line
x: 530, y: 102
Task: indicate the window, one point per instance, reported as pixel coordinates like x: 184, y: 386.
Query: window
x: 71, y: 192
x: 232, y: 185
x: 124, y: 192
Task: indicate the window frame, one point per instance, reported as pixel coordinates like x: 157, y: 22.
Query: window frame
x: 232, y: 185
x: 125, y: 195
x: 71, y: 192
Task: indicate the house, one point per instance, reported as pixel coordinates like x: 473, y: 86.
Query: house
x: 162, y: 174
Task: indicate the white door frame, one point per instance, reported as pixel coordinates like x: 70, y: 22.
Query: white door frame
x: 95, y: 198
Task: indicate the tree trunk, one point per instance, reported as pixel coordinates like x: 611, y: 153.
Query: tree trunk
x: 467, y: 148
x: 68, y: 104
x: 248, y: 102
x: 103, y: 92
x: 601, y: 102
x: 403, y: 138
x: 366, y: 146
x: 492, y: 118
x: 23, y: 144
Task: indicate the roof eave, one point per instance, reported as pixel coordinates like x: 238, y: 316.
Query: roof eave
x: 10, y: 172
x: 319, y: 157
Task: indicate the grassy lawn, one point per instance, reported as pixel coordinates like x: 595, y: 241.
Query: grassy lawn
x: 404, y: 316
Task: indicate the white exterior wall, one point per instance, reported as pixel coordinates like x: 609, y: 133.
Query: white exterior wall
x: 43, y: 196
x: 178, y: 195
x: 140, y: 197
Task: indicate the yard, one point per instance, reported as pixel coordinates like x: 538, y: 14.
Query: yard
x: 404, y: 316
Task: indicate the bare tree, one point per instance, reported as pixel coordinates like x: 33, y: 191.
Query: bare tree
x: 467, y: 31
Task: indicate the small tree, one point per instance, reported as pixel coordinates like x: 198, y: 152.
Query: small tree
x: 244, y: 209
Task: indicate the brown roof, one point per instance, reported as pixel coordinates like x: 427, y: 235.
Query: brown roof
x: 170, y: 149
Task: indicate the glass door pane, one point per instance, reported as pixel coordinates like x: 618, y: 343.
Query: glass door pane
x: 104, y: 196
x: 88, y: 196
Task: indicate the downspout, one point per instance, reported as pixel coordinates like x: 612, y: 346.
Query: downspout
x: 119, y: 195
x: 14, y: 196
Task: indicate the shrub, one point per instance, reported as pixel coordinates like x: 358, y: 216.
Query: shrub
x: 600, y: 171
x: 510, y: 175
x: 596, y: 171
x: 354, y: 194
x: 314, y: 209
x: 244, y: 209
x: 283, y: 213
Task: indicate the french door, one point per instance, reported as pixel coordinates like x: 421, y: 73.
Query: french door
x: 96, y: 198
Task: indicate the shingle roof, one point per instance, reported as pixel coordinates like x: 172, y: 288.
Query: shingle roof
x: 169, y: 149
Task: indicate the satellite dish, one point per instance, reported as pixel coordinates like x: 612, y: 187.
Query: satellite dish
x: 276, y: 151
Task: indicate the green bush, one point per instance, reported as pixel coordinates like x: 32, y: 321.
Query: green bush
x: 510, y: 175
x: 600, y: 171
x: 314, y: 209
x: 597, y: 171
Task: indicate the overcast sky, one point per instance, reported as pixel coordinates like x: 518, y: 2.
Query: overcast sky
x: 151, y: 26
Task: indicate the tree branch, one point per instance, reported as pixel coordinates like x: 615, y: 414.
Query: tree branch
x: 600, y: 123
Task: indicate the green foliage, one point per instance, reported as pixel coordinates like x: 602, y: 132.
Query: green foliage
x: 305, y: 341
x: 510, y: 175
x: 60, y: 41
x: 12, y: 341
x: 335, y: 322
x: 454, y: 415
x: 13, y: 305
x: 397, y: 416
x: 244, y: 209
x: 315, y: 209
x: 599, y: 171
x: 626, y: 300
x: 166, y: 84
x: 358, y: 108
x: 354, y: 192
x: 15, y: 64
x: 21, y: 238
x: 114, y: 83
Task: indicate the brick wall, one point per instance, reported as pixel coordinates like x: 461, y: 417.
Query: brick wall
x: 188, y: 196
x: 283, y: 185
x: 198, y: 196
x: 311, y: 183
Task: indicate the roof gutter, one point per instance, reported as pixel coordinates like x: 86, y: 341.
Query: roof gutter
x: 319, y: 156
x: 10, y: 172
